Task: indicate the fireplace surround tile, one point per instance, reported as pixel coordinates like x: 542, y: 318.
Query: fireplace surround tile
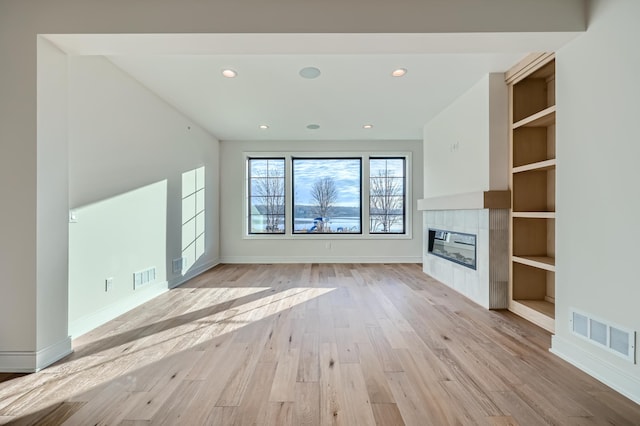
x: 487, y: 285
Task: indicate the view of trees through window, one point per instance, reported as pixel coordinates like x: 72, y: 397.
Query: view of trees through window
x: 327, y: 194
x: 266, y: 195
x: 386, y: 195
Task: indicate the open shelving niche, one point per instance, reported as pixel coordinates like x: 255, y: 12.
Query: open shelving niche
x: 532, y: 182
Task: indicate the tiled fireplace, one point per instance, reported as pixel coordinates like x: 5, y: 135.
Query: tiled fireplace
x: 487, y: 284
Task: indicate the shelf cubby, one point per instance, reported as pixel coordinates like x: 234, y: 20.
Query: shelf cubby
x: 534, y: 190
x: 533, y: 145
x: 535, y: 290
x: 533, y: 237
x: 535, y: 93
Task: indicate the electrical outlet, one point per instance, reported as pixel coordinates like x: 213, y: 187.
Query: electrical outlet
x: 108, y: 284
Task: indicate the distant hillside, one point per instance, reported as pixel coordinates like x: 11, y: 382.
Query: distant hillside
x: 339, y: 211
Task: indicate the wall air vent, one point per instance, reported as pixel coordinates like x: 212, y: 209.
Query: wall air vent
x: 142, y: 278
x: 616, y: 339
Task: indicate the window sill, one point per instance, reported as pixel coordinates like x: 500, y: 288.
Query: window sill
x: 329, y: 236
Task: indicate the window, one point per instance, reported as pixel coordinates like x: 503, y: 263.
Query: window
x: 387, y: 195
x: 341, y: 195
x: 266, y: 195
x: 327, y: 195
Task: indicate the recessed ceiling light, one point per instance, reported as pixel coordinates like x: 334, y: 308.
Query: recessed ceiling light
x: 310, y: 72
x: 313, y: 126
x: 399, y: 72
x: 263, y: 126
x: 229, y: 73
x: 367, y: 126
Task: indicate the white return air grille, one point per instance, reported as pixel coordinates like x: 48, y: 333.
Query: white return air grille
x: 619, y: 340
x: 142, y: 278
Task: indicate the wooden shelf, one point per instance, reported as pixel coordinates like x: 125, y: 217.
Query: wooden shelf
x: 543, y: 262
x: 544, y: 118
x: 539, y: 312
x: 468, y: 201
x: 535, y: 215
x: 539, y: 166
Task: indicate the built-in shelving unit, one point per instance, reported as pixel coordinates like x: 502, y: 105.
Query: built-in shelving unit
x: 532, y: 113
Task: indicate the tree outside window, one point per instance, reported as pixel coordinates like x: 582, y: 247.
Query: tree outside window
x: 326, y: 195
x: 266, y: 195
x: 387, y: 195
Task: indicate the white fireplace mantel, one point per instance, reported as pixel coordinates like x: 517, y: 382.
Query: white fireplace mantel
x: 468, y: 201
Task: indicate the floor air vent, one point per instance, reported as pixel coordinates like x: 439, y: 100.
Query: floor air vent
x: 616, y: 339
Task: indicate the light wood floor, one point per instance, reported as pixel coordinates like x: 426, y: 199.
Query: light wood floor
x: 313, y: 345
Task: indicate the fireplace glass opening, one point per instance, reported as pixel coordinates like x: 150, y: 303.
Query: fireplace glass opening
x: 454, y: 246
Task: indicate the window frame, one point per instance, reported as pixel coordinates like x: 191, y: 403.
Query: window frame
x: 404, y: 193
x: 293, y: 201
x: 365, y: 234
x: 249, y: 195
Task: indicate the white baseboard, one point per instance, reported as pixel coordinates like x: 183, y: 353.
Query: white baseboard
x: 320, y: 259
x: 89, y: 322
x: 191, y: 273
x: 33, y: 361
x: 607, y: 373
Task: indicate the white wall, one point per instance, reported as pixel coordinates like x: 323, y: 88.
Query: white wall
x: 52, y: 202
x: 598, y: 197
x: 466, y: 145
x: 236, y: 248
x: 128, y: 151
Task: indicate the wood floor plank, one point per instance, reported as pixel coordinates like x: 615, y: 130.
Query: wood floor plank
x: 51, y: 416
x: 309, y: 363
x: 331, y: 404
x: 347, y: 347
x: 174, y: 369
x: 394, y: 332
x: 475, y: 407
x: 279, y: 414
x: 284, y: 382
x: 253, y: 407
x: 502, y: 421
x: 512, y: 405
x: 177, y: 409
x: 108, y: 405
x: 377, y: 387
x: 408, y: 400
x: 307, y: 405
x: 313, y: 344
x: 357, y: 405
x: 220, y: 416
x: 385, y: 353
x: 437, y: 403
x: 387, y: 414
x: 247, y: 356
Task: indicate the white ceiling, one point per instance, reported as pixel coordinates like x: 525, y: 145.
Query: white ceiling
x: 355, y: 87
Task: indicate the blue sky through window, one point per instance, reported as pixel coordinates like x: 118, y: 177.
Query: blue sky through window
x: 345, y: 173
x: 344, y: 213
